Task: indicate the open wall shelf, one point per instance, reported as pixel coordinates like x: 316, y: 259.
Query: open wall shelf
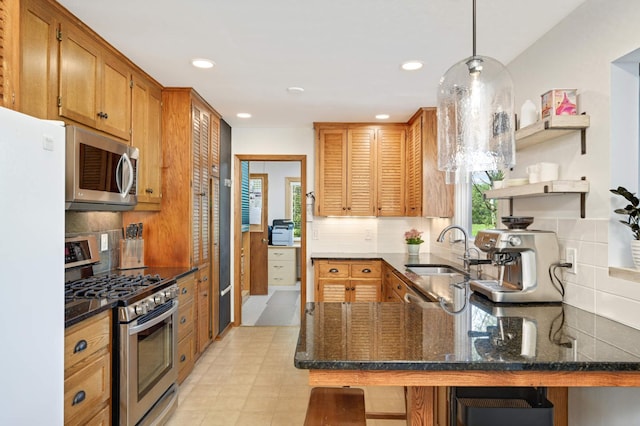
x: 553, y: 127
x: 580, y: 187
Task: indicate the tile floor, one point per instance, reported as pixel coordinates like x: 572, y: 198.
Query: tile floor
x: 253, y: 307
x: 248, y: 378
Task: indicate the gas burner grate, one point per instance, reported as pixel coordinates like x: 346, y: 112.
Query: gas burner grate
x: 108, y: 286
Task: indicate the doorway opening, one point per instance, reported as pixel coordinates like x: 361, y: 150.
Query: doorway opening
x: 270, y: 278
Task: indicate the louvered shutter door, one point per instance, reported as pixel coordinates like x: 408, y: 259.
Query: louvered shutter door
x: 215, y: 146
x: 361, y: 172
x: 391, y: 330
x: 391, y: 172
x: 414, y: 169
x: 196, y: 185
x: 205, y: 143
x: 332, y: 172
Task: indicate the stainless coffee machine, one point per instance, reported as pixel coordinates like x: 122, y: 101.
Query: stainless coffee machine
x: 523, y: 259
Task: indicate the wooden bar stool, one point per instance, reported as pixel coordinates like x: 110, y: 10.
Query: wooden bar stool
x: 336, y: 407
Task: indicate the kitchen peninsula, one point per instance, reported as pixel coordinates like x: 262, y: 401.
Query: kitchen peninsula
x: 425, y: 347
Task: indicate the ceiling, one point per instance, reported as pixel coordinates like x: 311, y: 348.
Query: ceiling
x: 346, y: 54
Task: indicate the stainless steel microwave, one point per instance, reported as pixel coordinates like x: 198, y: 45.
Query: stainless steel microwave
x: 101, y: 173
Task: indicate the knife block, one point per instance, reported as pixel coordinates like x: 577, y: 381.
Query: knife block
x: 131, y: 253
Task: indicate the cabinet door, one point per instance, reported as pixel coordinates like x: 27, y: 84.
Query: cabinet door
x: 39, y: 60
x: 438, y: 196
x: 204, y: 309
x: 413, y: 180
x: 361, y: 173
x: 331, y: 172
x: 391, y: 172
x: 79, y: 76
x: 115, y: 97
x: 200, y: 183
x: 365, y: 290
x: 146, y: 111
x: 332, y: 290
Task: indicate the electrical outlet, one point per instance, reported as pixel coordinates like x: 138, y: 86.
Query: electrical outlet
x: 571, y: 256
x: 104, y: 242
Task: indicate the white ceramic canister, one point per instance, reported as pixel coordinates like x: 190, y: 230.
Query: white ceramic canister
x: 528, y: 113
x: 533, y: 171
x: 549, y: 171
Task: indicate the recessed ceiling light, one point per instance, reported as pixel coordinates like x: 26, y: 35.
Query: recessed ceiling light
x: 243, y: 115
x: 295, y: 89
x: 412, y: 65
x: 382, y: 116
x: 202, y: 63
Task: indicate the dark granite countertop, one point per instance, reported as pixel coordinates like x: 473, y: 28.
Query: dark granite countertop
x: 460, y: 331
x: 485, y: 336
x: 79, y: 310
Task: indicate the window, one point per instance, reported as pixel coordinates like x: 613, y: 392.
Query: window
x: 483, y: 212
x: 294, y: 204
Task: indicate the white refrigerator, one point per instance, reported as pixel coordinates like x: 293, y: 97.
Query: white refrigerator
x: 32, y: 156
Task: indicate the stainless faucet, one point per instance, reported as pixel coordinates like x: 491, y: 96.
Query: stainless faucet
x: 465, y: 257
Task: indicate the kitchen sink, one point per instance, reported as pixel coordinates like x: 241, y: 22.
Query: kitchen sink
x: 433, y: 270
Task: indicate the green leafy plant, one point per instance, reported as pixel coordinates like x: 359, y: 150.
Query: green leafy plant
x: 632, y: 211
x: 413, y: 236
x: 495, y: 175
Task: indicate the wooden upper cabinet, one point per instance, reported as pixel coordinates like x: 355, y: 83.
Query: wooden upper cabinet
x: 361, y: 172
x: 331, y: 172
x: 95, y: 85
x: 391, y: 172
x: 346, y: 172
x: 200, y: 183
x: 146, y: 116
x: 437, y: 195
x: 413, y: 176
x: 39, y: 26
x: 9, y: 53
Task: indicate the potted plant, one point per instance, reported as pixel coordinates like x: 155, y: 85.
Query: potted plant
x: 413, y: 239
x: 632, y: 211
x: 496, y: 178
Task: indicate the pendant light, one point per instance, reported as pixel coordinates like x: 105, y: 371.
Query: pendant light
x: 476, y: 122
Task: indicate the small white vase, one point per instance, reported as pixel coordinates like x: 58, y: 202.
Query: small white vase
x: 635, y: 252
x: 413, y: 249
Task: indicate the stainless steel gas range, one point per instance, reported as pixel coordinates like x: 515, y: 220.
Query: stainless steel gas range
x: 145, y: 365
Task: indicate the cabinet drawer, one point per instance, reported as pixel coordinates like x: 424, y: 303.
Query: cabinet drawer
x: 87, y: 389
x: 186, y: 289
x: 186, y: 315
x: 86, y: 338
x: 282, y: 254
x: 186, y: 353
x: 333, y: 269
x: 366, y: 270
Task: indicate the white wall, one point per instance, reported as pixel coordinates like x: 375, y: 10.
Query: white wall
x: 578, y: 53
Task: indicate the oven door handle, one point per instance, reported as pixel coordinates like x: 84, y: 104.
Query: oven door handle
x: 142, y: 327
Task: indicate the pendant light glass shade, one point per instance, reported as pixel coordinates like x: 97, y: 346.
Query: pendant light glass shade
x: 476, y: 121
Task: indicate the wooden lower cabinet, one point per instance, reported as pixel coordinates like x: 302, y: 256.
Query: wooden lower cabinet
x: 348, y: 281
x: 203, y: 309
x: 186, y: 321
x: 87, y: 371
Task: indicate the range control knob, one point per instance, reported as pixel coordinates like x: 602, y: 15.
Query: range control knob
x: 515, y: 241
x: 141, y: 308
x: 158, y: 299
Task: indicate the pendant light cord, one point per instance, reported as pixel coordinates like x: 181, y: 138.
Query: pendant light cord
x: 474, y: 27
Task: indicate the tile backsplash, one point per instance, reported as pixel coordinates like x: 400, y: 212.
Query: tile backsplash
x: 98, y: 223
x: 592, y: 288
